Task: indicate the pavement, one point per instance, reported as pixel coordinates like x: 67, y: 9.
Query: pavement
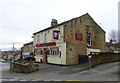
x: 49, y: 72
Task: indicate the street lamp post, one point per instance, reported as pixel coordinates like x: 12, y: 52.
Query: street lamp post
x: 12, y: 62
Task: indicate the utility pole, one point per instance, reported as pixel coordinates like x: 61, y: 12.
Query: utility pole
x: 13, y: 55
x: 13, y: 47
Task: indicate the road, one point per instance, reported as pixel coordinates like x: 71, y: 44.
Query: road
x: 6, y: 67
x: 47, y: 72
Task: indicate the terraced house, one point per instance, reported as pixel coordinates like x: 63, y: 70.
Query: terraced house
x: 62, y: 43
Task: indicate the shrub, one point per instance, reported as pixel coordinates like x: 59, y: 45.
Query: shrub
x: 29, y: 58
x: 21, y: 68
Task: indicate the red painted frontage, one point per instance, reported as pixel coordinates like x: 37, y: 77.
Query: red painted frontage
x: 46, y: 44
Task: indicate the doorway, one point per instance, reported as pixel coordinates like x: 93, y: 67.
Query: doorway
x: 45, y: 56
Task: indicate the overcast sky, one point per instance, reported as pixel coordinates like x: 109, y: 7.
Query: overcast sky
x: 19, y: 19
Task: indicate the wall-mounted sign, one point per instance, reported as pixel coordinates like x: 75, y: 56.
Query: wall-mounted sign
x: 78, y: 37
x: 46, y: 44
x: 25, y: 53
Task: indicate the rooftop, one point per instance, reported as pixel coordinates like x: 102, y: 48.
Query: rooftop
x: 28, y: 43
x: 64, y: 23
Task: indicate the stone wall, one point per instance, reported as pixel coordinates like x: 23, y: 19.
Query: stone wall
x: 23, y: 68
x: 79, y: 47
x: 96, y: 59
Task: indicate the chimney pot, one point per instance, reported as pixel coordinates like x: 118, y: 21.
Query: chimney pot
x: 54, y: 22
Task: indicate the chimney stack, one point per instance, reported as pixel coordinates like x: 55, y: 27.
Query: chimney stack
x: 111, y: 41
x: 54, y: 22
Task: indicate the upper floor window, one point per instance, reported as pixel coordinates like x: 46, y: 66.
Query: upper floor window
x: 80, y: 20
x: 38, y: 38
x: 37, y: 52
x: 45, y: 37
x: 89, y: 40
x: 56, y: 34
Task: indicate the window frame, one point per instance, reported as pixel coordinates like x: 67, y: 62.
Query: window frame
x: 54, y: 51
x: 39, y: 52
x: 38, y: 39
x: 89, y: 40
x: 57, y: 32
x: 45, y: 36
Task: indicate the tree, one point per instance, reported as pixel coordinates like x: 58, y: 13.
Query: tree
x: 119, y: 36
x: 114, y: 36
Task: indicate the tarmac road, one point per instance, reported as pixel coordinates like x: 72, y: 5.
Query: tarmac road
x: 48, y: 72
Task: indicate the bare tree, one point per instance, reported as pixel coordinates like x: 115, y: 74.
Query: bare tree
x: 114, y: 36
x: 119, y: 35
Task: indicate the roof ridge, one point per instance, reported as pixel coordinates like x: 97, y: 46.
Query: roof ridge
x: 58, y: 24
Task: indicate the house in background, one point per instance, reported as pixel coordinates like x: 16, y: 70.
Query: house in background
x: 27, y: 49
x: 9, y: 55
x: 112, y: 47
x: 63, y: 43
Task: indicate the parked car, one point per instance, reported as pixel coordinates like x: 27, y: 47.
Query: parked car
x: 2, y: 60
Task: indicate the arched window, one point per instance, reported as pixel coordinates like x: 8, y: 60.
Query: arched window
x: 89, y: 40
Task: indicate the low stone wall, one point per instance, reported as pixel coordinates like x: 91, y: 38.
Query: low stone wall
x: 96, y: 59
x: 23, y: 68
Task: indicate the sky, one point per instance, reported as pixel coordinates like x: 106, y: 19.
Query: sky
x: 19, y: 19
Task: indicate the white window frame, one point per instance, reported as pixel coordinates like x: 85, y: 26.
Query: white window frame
x: 45, y: 36
x: 54, y: 51
x: 90, y: 40
x: 37, y: 52
x: 38, y: 39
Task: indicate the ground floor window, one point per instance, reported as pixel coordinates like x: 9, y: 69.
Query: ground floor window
x: 38, y: 52
x: 54, y: 51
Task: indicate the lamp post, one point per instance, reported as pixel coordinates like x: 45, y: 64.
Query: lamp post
x: 13, y: 54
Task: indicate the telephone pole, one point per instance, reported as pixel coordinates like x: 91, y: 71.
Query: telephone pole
x: 13, y: 47
x: 13, y: 56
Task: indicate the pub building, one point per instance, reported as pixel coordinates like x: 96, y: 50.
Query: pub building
x: 63, y: 43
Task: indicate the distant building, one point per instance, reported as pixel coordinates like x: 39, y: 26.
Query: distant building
x: 63, y: 43
x: 27, y: 50
x: 8, y: 55
x: 111, y: 47
x: 28, y: 47
x: 0, y: 54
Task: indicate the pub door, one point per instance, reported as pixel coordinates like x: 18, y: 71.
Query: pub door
x: 45, y: 56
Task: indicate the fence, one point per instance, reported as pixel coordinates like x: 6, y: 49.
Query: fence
x: 83, y: 59
x: 96, y: 59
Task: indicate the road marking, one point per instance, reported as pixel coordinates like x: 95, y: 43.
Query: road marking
x: 40, y: 79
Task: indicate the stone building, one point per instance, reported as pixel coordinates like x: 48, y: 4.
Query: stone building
x: 9, y: 55
x: 28, y: 47
x: 63, y: 43
x: 112, y: 47
x: 0, y: 54
x: 27, y: 50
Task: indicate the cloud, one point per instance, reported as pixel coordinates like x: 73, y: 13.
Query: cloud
x: 9, y: 46
x: 19, y: 19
